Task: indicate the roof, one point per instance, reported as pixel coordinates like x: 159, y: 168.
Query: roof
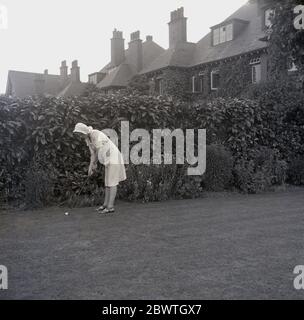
x: 26, y: 83
x: 180, y: 56
x: 120, y: 76
x: 189, y: 54
x: 73, y: 89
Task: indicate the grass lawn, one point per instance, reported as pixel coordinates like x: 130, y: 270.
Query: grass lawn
x: 234, y: 247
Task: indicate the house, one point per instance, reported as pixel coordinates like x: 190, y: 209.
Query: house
x: 192, y: 68
x: 23, y: 84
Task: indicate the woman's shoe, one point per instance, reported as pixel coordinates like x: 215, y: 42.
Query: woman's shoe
x: 107, y: 211
x: 101, y: 208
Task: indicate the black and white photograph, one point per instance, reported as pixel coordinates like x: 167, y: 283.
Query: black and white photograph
x: 151, y: 151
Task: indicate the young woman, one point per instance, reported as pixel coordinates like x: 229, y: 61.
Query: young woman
x: 102, y: 149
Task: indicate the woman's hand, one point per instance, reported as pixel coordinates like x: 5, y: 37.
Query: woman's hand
x: 92, y: 168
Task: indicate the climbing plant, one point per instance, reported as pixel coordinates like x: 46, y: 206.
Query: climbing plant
x: 285, y: 42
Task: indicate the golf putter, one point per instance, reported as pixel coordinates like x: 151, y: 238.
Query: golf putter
x: 80, y: 190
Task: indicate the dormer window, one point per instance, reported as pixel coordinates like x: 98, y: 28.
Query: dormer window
x: 222, y: 34
x: 268, y: 16
x: 227, y: 30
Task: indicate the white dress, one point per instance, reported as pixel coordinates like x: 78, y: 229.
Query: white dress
x: 103, y: 149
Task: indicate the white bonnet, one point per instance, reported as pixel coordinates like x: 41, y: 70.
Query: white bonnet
x: 82, y: 128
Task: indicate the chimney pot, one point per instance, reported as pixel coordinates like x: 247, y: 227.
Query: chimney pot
x: 149, y: 38
x: 135, y: 35
x: 75, y: 64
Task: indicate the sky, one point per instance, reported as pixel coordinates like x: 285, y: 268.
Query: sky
x: 42, y: 33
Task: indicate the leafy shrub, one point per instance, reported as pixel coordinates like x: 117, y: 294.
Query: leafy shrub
x: 151, y: 183
x: 296, y: 171
x: 260, y: 171
x: 264, y: 118
x: 229, y: 122
x: 45, y: 125
x: 189, y: 187
x: 38, y: 186
x: 280, y: 110
x: 269, y: 115
x: 218, y: 174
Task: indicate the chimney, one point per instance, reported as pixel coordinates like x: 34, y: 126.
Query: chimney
x: 149, y: 38
x: 63, y: 71
x: 46, y: 71
x: 136, y: 51
x: 117, y: 48
x: 75, y: 72
x: 177, y: 28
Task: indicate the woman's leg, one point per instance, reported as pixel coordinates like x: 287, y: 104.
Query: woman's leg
x: 107, y: 195
x: 112, y: 196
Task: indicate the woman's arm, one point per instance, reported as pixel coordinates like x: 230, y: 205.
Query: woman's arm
x: 94, y: 158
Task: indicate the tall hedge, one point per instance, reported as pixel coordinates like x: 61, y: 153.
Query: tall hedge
x: 36, y: 139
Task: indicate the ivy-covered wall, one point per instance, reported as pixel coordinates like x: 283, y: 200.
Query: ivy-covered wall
x: 235, y: 77
x: 177, y: 82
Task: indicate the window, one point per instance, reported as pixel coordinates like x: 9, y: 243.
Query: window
x: 255, y: 61
x: 159, y: 86
x: 197, y: 83
x: 193, y: 84
x: 229, y: 32
x: 269, y: 13
x: 215, y: 79
x: 222, y: 34
x: 216, y: 37
x: 256, y: 73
